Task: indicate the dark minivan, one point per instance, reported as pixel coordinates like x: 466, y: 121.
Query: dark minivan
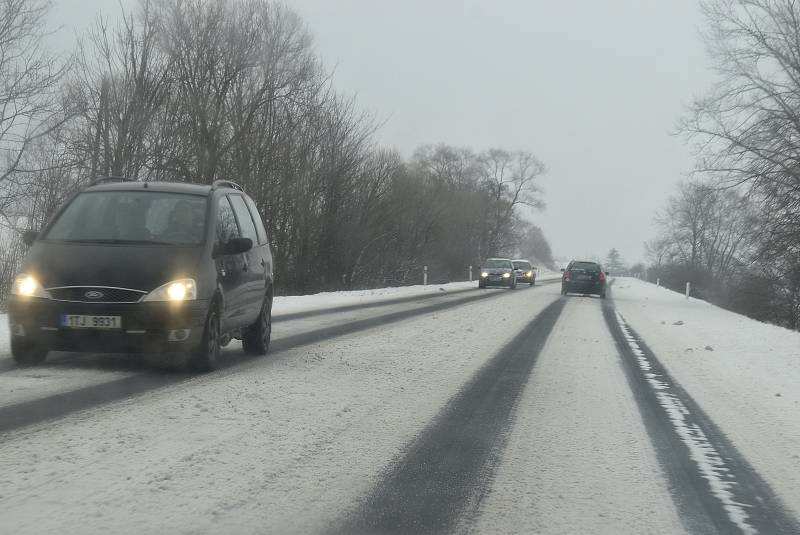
x: 583, y: 277
x: 146, y: 267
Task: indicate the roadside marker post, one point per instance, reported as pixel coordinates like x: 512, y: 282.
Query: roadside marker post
x: 469, y: 273
x: 688, y: 289
x: 658, y: 282
x: 424, y: 275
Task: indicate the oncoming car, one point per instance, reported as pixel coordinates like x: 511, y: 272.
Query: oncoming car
x: 146, y: 267
x: 583, y: 277
x: 525, y: 271
x: 497, y: 272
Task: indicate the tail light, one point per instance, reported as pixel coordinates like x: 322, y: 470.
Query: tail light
x: 602, y: 276
x: 566, y: 276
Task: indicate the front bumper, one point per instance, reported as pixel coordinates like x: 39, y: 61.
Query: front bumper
x: 158, y: 327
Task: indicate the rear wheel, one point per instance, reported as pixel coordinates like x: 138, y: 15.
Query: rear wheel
x: 27, y: 352
x: 257, y: 337
x: 481, y: 285
x: 206, y: 357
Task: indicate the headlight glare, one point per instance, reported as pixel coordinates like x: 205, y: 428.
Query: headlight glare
x: 177, y: 290
x: 28, y: 286
x: 484, y: 274
x: 506, y: 275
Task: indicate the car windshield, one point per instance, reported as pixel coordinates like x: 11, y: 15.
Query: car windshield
x: 131, y: 217
x: 525, y: 266
x: 497, y: 263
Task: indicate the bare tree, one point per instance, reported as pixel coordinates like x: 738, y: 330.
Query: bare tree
x: 29, y: 77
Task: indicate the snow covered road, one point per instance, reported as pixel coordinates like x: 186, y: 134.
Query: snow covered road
x: 458, y: 411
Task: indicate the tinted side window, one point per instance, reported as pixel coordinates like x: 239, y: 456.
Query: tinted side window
x: 243, y: 216
x: 262, y: 232
x: 226, y: 222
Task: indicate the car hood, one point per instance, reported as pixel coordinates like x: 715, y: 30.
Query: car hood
x: 137, y: 267
x: 496, y: 271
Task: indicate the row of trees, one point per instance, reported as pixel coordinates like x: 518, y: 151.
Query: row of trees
x: 199, y: 90
x: 734, y: 230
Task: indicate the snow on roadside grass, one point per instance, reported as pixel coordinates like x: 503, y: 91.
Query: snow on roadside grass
x: 284, y: 445
x: 743, y: 373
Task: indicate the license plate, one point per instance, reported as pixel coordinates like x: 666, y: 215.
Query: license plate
x: 79, y: 321
x: 495, y: 278
x: 584, y: 277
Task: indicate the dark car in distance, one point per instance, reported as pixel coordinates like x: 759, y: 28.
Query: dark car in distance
x: 583, y: 277
x: 145, y: 267
x: 525, y: 272
x: 497, y: 272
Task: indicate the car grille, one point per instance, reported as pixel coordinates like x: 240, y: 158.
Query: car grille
x: 96, y: 294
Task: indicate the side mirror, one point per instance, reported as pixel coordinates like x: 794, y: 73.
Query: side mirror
x: 563, y: 270
x: 607, y: 273
x: 234, y: 246
x: 238, y: 246
x: 29, y: 236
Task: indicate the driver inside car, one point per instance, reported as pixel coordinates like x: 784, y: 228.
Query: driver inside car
x: 128, y: 224
x: 180, y: 226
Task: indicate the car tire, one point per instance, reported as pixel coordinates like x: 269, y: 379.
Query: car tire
x: 256, y: 338
x: 603, y: 295
x: 481, y: 285
x: 532, y: 283
x: 563, y: 291
x: 513, y: 285
x: 206, y: 357
x: 27, y: 353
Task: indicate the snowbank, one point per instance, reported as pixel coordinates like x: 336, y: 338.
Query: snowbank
x: 745, y: 374
x: 300, y: 303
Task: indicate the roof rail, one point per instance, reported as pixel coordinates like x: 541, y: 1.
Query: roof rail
x: 226, y: 184
x: 104, y: 179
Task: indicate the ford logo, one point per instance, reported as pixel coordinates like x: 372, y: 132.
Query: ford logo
x: 93, y: 294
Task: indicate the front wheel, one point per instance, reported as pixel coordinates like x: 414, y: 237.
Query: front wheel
x: 257, y: 337
x: 206, y: 357
x: 27, y: 352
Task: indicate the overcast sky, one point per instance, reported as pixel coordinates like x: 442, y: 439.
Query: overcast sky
x: 592, y: 87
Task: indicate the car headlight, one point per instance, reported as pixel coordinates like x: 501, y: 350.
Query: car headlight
x: 530, y: 273
x: 506, y: 275
x: 28, y: 286
x: 484, y: 274
x: 177, y: 290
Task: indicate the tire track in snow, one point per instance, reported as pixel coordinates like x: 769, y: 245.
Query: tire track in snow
x: 449, y: 466
x: 714, y: 487
x: 18, y: 415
